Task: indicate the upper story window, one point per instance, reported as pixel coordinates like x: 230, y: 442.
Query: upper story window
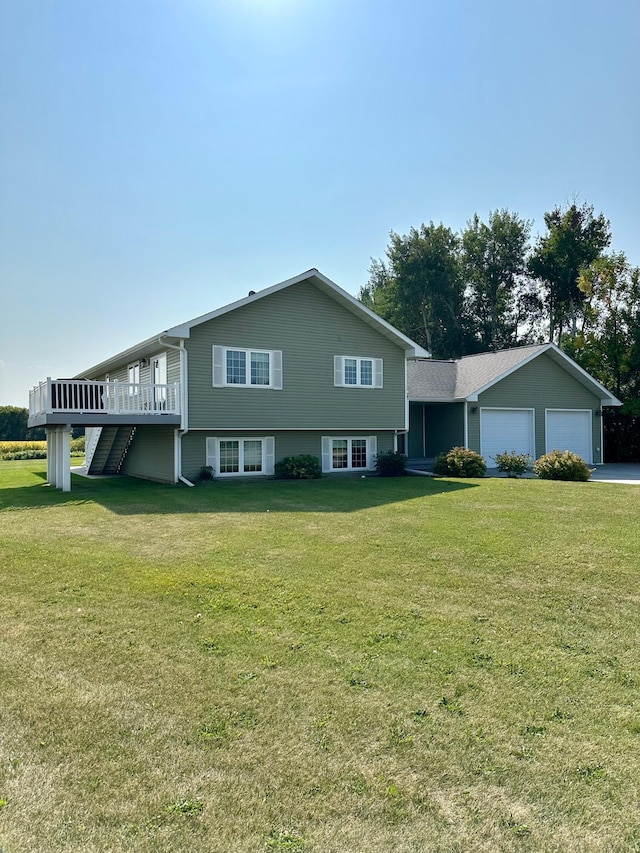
x: 355, y: 372
x: 247, y: 368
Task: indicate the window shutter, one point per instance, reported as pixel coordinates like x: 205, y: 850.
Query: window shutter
x: 338, y: 370
x: 377, y: 373
x: 269, y: 455
x: 372, y: 450
x: 276, y: 370
x: 218, y: 367
x: 326, y: 451
x: 212, y: 460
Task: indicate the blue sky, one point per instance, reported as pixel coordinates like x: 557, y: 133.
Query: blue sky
x: 160, y: 159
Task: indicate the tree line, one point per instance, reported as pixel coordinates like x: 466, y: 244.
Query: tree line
x: 490, y: 286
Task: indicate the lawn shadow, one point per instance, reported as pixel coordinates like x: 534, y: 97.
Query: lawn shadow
x: 130, y: 496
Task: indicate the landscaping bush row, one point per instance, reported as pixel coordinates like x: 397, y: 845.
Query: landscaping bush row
x: 556, y: 465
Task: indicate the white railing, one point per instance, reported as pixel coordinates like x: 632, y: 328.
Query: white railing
x: 85, y: 397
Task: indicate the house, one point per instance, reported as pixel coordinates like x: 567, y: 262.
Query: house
x: 301, y: 367
x: 531, y: 399
x: 304, y: 368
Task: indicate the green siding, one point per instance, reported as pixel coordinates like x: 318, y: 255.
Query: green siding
x: 309, y: 327
x: 288, y: 443
x: 150, y: 455
x: 434, y: 428
x: 445, y: 427
x: 121, y: 373
x: 541, y: 384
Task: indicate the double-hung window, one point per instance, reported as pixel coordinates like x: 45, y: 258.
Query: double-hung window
x: 348, y: 453
x: 352, y: 371
x: 231, y: 456
x: 246, y: 368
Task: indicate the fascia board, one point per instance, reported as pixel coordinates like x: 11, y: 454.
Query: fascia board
x: 142, y: 350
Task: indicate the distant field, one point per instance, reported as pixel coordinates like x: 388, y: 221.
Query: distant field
x: 332, y: 666
x: 22, y: 445
x: 20, y: 450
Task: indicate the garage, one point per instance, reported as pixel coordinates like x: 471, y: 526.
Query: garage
x: 506, y: 429
x: 570, y: 429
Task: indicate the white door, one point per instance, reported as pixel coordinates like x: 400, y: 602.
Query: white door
x: 159, y: 364
x: 570, y: 429
x: 508, y: 430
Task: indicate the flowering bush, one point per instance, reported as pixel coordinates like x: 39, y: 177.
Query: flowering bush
x: 460, y: 462
x: 562, y: 465
x: 512, y: 464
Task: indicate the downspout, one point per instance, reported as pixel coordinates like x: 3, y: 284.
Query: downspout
x: 184, y: 410
x: 466, y: 424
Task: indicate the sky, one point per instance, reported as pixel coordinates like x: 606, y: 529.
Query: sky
x: 161, y: 158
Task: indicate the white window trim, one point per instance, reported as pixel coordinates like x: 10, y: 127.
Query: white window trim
x: 339, y: 371
x: 219, y: 357
x: 327, y: 452
x: 268, y: 455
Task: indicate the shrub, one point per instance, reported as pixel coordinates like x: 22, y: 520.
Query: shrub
x: 562, y: 465
x: 460, y: 462
x: 301, y: 467
x: 513, y: 464
x: 206, y: 473
x: 391, y: 463
x: 77, y: 446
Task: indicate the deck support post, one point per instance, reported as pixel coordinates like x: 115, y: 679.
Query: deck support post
x: 51, y: 433
x: 59, y: 457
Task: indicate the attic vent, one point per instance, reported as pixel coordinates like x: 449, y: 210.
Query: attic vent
x: 252, y: 293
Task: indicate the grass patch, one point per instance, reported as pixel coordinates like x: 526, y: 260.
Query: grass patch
x: 319, y: 666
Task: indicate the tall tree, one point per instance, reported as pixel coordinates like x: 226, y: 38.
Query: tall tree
x: 575, y: 238
x: 493, y: 261
x: 419, y: 288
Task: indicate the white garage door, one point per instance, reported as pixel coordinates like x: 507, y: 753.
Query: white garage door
x: 506, y: 429
x: 570, y: 429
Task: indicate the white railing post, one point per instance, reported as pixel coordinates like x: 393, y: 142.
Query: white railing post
x: 116, y: 397
x: 48, y: 400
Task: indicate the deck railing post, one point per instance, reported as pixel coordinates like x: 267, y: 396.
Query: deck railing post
x: 48, y: 401
x: 116, y: 395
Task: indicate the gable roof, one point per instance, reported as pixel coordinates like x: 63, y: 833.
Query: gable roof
x: 183, y: 330
x: 466, y: 378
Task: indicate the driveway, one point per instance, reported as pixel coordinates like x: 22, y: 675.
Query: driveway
x: 616, y: 472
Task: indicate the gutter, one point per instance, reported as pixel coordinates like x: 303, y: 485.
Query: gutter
x: 184, y: 409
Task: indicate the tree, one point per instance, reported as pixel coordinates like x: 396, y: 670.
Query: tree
x: 494, y: 262
x: 420, y: 289
x: 13, y: 423
x: 575, y: 238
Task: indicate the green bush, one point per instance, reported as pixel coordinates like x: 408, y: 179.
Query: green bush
x: 301, y: 467
x: 460, y: 462
x: 562, y: 465
x: 391, y: 464
x: 77, y: 446
x: 14, y: 455
x: 206, y: 473
x: 513, y: 464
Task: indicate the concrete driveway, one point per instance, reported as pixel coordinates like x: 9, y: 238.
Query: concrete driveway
x: 616, y: 472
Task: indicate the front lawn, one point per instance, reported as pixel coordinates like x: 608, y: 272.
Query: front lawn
x: 321, y: 667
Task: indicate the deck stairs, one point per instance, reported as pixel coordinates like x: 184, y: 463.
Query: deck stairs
x: 111, y: 450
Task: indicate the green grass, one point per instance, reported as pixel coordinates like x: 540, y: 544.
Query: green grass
x: 321, y: 666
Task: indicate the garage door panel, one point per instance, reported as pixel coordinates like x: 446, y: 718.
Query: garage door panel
x: 506, y: 430
x: 570, y: 429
